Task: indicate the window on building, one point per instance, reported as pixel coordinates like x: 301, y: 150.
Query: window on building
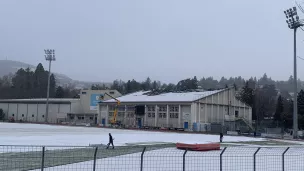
x: 163, y: 109
x: 71, y: 117
x: 43, y: 116
x: 80, y: 117
x: 151, y: 108
x: 130, y: 108
x: 33, y: 115
x: 151, y: 111
x: 22, y: 115
x: 112, y: 92
x: 111, y: 108
x: 121, y: 114
x: 129, y: 114
x: 236, y: 114
x: 121, y: 108
x: 91, y: 118
x: 13, y: 114
x: 83, y: 92
x: 173, y: 111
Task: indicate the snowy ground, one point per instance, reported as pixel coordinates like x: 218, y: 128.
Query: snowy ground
x: 34, y: 134
x: 234, y: 158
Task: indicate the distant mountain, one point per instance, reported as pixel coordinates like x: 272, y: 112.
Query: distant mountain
x: 11, y: 67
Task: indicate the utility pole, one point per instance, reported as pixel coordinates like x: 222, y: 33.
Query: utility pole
x: 49, y: 56
x: 294, y: 23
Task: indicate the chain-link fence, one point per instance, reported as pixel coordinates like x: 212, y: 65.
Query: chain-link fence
x: 149, y: 158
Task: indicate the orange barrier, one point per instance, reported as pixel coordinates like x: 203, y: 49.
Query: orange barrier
x: 198, y: 147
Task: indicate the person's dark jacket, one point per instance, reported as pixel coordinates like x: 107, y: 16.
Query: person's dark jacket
x: 110, y: 138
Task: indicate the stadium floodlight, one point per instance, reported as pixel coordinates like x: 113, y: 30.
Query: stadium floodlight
x: 294, y: 22
x: 49, y: 56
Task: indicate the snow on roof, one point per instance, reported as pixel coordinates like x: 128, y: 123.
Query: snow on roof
x: 165, y: 97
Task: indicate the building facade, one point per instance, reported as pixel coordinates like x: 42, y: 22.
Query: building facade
x: 178, y: 110
x: 33, y: 110
x: 88, y: 104
x: 73, y: 111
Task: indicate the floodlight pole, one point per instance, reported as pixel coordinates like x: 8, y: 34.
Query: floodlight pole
x: 295, y: 88
x: 294, y: 23
x: 49, y: 56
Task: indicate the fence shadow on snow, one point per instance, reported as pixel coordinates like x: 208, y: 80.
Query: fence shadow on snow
x: 149, y: 158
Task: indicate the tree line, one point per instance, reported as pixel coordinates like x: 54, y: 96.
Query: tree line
x: 270, y: 104
x: 32, y: 84
x: 209, y: 83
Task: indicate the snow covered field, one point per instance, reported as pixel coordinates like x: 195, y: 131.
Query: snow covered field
x: 234, y: 158
x: 34, y: 134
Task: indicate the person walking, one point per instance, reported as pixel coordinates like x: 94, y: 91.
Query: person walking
x: 221, y: 137
x: 110, y: 141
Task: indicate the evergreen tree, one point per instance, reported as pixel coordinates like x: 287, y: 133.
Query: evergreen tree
x: 52, y: 86
x: 301, y: 102
x: 115, y: 85
x: 154, y: 85
x: 1, y: 114
x: 247, y: 95
x: 288, y: 113
x: 60, y: 92
x: 279, y: 109
x: 194, y: 83
x: 147, y: 84
x: 40, y: 81
x: 235, y: 86
x: 128, y: 87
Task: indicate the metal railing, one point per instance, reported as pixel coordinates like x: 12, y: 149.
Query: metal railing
x: 149, y: 158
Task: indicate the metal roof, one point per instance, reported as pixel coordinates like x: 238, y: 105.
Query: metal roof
x: 165, y: 97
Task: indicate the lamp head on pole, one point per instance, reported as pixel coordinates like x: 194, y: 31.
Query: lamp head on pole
x: 293, y: 20
x: 49, y: 54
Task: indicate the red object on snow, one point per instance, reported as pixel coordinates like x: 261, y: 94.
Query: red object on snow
x: 198, y: 147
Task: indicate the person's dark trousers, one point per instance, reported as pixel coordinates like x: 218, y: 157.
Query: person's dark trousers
x: 111, y: 144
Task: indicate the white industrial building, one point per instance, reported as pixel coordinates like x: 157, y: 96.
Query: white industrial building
x: 77, y: 111
x: 33, y: 110
x: 185, y: 110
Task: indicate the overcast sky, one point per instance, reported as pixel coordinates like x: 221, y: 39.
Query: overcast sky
x: 168, y: 40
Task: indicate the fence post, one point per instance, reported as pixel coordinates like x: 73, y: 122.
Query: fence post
x: 283, y: 159
x: 142, y: 159
x: 254, y: 156
x: 184, y: 160
x: 95, y: 155
x: 42, y: 158
x: 221, y: 158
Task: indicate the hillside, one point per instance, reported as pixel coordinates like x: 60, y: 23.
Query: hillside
x: 10, y: 67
